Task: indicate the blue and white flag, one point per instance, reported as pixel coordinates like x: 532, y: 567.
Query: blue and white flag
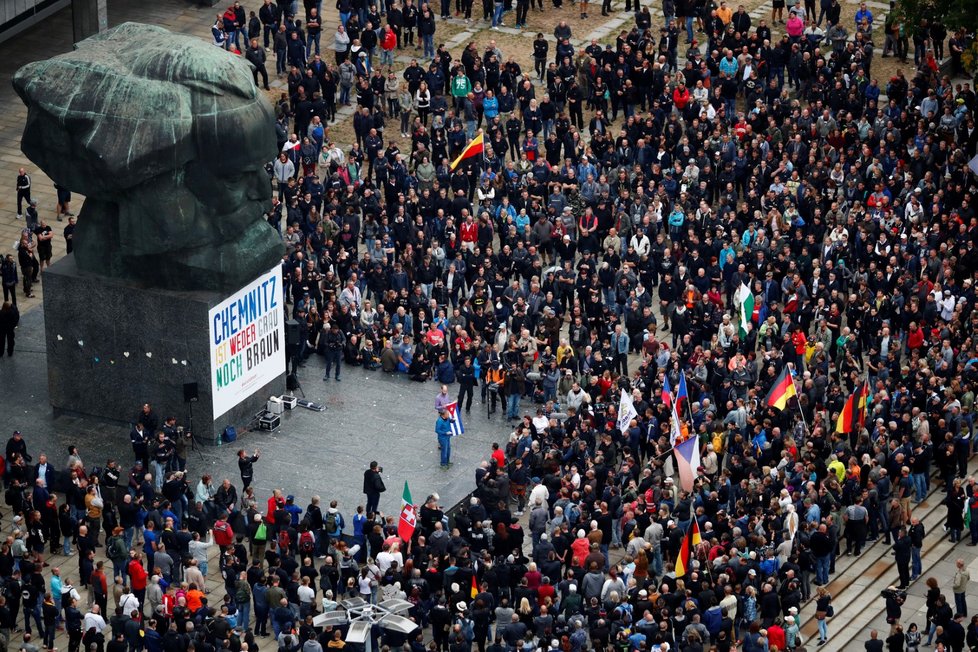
x: 455, y: 416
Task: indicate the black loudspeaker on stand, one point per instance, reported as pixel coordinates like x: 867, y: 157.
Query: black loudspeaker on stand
x: 191, y: 394
x: 292, y: 348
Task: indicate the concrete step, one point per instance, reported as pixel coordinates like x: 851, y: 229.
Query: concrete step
x: 856, y: 585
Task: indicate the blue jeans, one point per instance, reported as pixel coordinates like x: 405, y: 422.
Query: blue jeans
x: 313, y: 38
x: 689, y: 29
x: 822, y: 565
x: 386, y: 57
x: 731, y: 106
x: 919, y: 485
x: 960, y: 604
x: 159, y: 470
x: 497, y: 14
x: 823, y: 629
x: 332, y: 357
x: 884, y: 519
x: 445, y: 441
x: 244, y: 611
x: 35, y: 611
x: 66, y: 545
x: 915, y: 566
x: 344, y: 18
x: 428, y: 42
x: 345, y: 94
x: 512, y: 406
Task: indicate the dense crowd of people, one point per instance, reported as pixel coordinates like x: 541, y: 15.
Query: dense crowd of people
x: 752, y: 204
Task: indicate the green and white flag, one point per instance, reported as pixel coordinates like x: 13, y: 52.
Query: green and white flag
x: 745, y: 304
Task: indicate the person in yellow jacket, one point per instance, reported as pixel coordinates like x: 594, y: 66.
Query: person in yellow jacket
x: 837, y: 467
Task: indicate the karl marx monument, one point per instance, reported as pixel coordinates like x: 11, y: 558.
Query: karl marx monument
x: 173, y: 293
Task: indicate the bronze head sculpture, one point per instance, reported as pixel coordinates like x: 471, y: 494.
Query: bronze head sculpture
x: 167, y: 137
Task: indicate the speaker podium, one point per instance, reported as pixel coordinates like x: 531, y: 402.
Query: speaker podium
x: 114, y: 345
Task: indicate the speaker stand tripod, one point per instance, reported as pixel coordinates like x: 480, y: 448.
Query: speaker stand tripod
x: 292, y: 382
x: 190, y: 429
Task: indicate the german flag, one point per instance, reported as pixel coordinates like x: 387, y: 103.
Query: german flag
x: 863, y: 403
x: 684, y: 560
x: 783, y: 389
x: 472, y: 150
x: 853, y: 415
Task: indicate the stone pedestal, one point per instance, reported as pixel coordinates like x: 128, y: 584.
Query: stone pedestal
x: 114, y: 345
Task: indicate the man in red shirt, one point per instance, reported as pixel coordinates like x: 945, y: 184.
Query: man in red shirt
x: 470, y: 233
x: 498, y: 456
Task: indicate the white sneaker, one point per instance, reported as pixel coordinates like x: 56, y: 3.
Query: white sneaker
x: 20, y: 216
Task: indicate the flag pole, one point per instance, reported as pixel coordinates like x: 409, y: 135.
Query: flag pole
x: 801, y: 410
x: 689, y: 405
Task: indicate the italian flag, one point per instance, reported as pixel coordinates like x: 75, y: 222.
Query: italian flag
x: 745, y: 304
x: 409, y: 519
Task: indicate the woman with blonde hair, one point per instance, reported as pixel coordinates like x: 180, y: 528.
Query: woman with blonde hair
x: 823, y: 610
x: 525, y: 612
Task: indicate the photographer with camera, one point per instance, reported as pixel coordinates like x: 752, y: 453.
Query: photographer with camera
x: 373, y: 486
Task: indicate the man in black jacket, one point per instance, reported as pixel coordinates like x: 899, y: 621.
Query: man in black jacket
x: 333, y: 344
x: 270, y: 17
x: 373, y: 486
x: 465, y: 375
x: 256, y: 57
x: 902, y: 549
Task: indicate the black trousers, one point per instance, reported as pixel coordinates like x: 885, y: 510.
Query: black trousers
x: 903, y: 566
x: 22, y: 196
x: 465, y: 391
x: 260, y: 70
x: 522, y: 7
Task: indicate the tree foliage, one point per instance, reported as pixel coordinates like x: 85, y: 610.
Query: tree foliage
x: 954, y: 14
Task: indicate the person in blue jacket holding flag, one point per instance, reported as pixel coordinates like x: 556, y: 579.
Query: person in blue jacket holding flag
x: 443, y: 429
